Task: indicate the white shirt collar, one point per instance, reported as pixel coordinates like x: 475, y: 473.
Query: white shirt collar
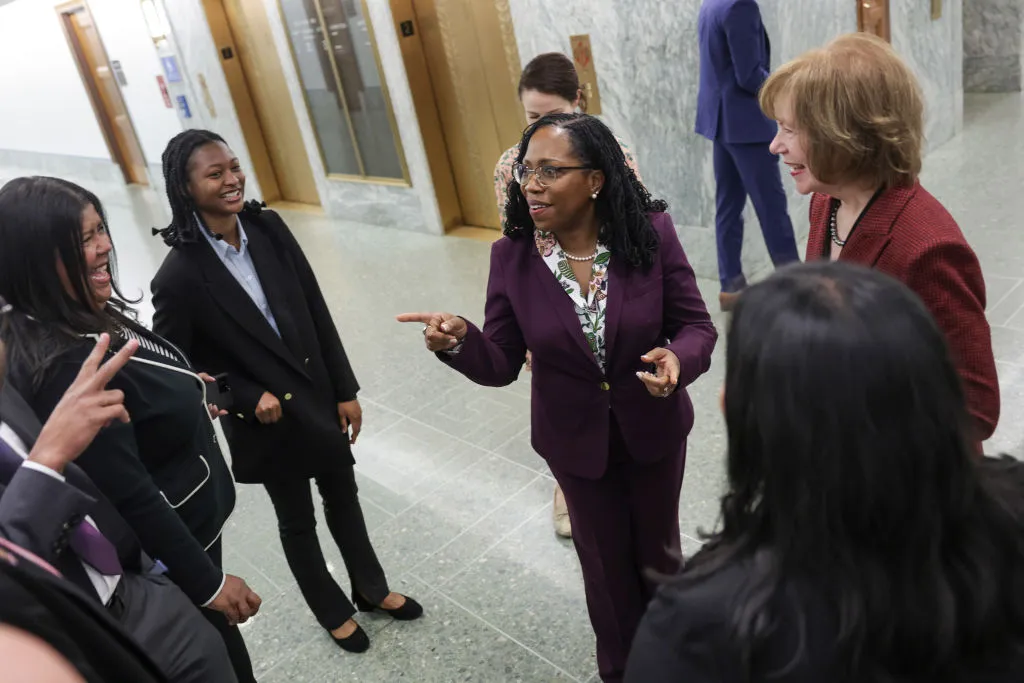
x: 221, y: 246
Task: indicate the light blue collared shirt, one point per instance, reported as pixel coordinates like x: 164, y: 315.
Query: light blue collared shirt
x: 239, y: 264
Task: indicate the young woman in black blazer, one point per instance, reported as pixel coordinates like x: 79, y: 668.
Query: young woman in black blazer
x: 237, y: 294
x: 164, y: 470
x: 861, y: 540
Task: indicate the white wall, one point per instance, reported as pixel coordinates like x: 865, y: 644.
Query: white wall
x: 43, y: 104
x: 126, y: 38
x: 44, y: 107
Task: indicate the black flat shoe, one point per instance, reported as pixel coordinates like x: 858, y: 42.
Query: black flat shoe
x: 357, y: 642
x: 407, y: 612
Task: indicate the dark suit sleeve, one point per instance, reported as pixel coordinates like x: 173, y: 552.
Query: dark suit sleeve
x: 112, y: 462
x: 745, y: 34
x: 37, y: 510
x: 346, y: 388
x: 671, y: 646
x: 494, y: 356
x: 688, y: 327
x: 948, y: 279
x: 172, y: 319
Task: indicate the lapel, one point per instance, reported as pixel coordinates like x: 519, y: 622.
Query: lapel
x: 561, y: 305
x: 618, y: 278
x: 234, y: 300
x: 874, y: 230
x: 266, y: 256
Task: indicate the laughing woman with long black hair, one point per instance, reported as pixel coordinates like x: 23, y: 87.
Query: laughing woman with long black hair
x: 163, y: 471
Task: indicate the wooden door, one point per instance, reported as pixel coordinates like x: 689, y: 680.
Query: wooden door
x: 104, y: 92
x: 468, y: 56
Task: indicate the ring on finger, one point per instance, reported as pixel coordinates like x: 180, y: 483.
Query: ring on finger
x: 426, y: 328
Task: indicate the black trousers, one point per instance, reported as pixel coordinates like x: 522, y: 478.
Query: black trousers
x: 237, y: 651
x: 296, y: 521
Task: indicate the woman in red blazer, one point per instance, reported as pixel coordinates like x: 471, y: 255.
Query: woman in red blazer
x: 591, y: 277
x: 851, y: 130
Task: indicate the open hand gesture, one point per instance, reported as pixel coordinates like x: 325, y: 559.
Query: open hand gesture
x: 665, y: 379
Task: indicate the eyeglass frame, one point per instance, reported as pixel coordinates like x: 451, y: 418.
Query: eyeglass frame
x: 535, y: 172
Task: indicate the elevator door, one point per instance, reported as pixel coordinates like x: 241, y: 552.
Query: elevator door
x: 463, y: 67
x: 105, y: 93
x: 260, y: 94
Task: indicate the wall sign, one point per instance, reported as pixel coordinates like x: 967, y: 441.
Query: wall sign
x: 171, y: 69
x: 115, y: 66
x: 583, y: 58
x: 162, y: 84
x: 873, y: 17
x: 183, y: 106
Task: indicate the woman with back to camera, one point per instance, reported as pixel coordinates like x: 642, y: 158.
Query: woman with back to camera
x: 548, y: 85
x: 851, y: 129
x: 862, y: 541
x: 163, y: 471
x: 592, y: 278
x: 238, y: 295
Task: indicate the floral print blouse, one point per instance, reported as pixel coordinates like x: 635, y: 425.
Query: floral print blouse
x: 590, y: 305
x: 503, y: 173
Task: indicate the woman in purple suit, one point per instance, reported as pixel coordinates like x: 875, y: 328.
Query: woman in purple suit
x: 591, y: 277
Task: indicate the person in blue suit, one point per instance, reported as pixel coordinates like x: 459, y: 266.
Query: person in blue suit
x: 735, y: 55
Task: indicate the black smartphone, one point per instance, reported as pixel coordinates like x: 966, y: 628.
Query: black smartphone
x: 218, y: 392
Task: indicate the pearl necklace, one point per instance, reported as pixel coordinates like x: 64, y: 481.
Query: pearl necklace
x: 833, y: 228
x: 579, y: 258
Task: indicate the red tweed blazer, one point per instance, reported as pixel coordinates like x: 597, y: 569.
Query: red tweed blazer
x: 908, y: 234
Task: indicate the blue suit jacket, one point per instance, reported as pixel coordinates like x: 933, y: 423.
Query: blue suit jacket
x: 735, y: 58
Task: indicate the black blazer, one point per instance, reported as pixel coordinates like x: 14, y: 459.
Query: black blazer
x: 685, y: 637
x: 75, y: 625
x: 164, y: 471
x: 16, y: 414
x: 205, y: 312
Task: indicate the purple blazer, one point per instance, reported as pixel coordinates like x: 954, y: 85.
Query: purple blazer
x: 527, y: 309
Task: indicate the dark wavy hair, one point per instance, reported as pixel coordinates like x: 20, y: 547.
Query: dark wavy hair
x: 41, y: 223
x: 185, y: 225
x: 851, y: 475
x: 552, y: 73
x: 623, y: 204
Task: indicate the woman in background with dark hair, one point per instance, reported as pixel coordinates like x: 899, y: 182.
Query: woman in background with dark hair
x: 861, y: 541
x: 238, y: 295
x: 163, y: 471
x: 592, y: 278
x: 548, y: 85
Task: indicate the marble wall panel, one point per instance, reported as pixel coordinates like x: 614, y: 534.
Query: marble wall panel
x: 934, y: 50
x: 992, y: 44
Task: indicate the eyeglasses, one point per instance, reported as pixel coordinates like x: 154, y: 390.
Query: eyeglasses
x: 545, y: 174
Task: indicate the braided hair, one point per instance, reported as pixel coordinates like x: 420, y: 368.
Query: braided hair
x: 623, y: 205
x: 185, y: 225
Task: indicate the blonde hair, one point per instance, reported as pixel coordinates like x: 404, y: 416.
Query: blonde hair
x: 858, y: 108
